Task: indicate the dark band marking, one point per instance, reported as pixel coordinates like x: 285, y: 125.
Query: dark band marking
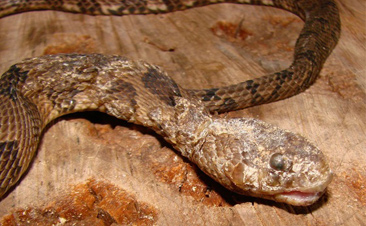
x: 252, y: 86
x: 117, y: 12
x: 119, y: 88
x: 257, y: 98
x: 210, y: 95
x: 283, y: 76
x: 161, y: 85
x: 229, y: 103
x: 8, y: 155
x: 89, y: 7
x: 6, y: 149
x: 9, y: 81
x: 309, y: 55
x: 170, y: 4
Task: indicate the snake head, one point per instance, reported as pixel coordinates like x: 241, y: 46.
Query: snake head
x: 247, y: 156
x: 254, y: 158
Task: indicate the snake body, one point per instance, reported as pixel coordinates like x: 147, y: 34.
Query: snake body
x: 247, y: 156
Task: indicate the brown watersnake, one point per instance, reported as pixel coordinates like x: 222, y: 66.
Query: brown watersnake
x: 245, y: 155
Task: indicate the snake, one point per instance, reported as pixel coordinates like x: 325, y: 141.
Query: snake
x: 245, y: 155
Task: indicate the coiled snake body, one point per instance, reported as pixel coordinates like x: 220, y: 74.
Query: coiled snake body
x: 245, y: 155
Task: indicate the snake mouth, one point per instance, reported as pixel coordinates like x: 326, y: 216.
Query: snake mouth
x: 298, y: 198
x: 304, y: 196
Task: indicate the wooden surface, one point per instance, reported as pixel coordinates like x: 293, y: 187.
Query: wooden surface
x: 199, y: 48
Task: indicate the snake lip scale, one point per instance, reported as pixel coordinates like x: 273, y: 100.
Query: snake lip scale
x: 245, y: 155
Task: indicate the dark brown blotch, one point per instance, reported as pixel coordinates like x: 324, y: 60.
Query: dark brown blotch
x: 228, y: 104
x: 7, y: 149
x: 161, y: 85
x: 210, y: 95
x: 10, y: 80
x: 117, y: 12
x: 125, y: 88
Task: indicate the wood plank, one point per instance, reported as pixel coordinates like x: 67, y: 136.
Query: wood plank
x: 199, y: 48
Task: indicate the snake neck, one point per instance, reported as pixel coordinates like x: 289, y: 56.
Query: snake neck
x: 184, y: 126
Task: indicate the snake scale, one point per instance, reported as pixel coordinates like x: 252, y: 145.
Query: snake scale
x: 245, y: 155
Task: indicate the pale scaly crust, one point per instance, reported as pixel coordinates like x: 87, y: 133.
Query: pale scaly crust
x: 246, y: 156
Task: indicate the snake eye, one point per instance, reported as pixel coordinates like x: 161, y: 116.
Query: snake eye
x: 278, y: 162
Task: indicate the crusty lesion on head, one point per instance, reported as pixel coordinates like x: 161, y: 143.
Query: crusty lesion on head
x: 247, y: 156
x: 262, y: 160
x: 182, y: 125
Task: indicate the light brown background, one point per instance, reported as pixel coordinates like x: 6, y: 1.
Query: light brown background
x: 199, y: 48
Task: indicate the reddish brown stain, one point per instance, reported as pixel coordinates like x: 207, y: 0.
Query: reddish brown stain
x: 182, y: 175
x: 269, y: 38
x: 91, y: 203
x: 343, y: 83
x: 71, y: 43
x: 356, y: 182
x: 230, y: 31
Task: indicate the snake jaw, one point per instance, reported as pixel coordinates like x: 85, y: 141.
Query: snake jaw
x: 304, y: 196
x: 297, y: 198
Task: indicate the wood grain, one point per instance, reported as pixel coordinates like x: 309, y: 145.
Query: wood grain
x: 200, y: 48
